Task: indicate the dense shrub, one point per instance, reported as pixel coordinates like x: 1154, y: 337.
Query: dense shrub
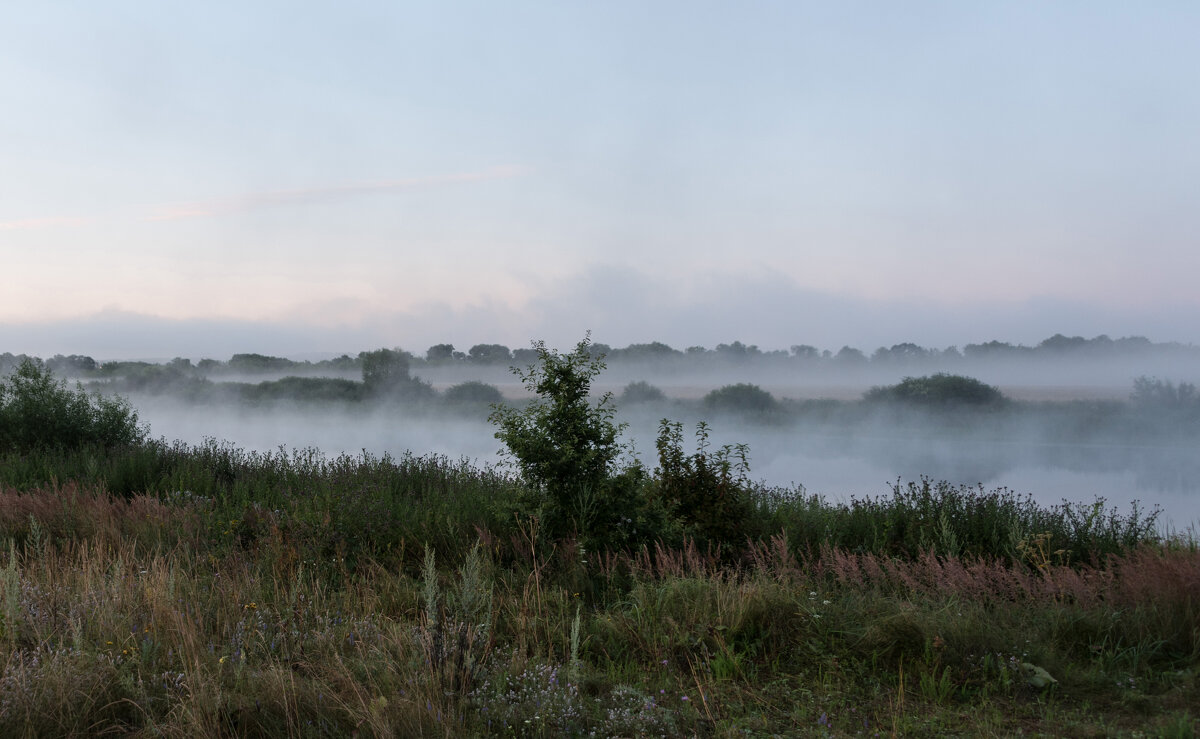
x: 941, y: 389
x: 473, y: 393
x: 37, y: 411
x: 740, y: 398
x: 641, y: 392
x: 706, y: 491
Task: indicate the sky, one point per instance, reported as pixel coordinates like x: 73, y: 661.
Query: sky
x: 301, y: 178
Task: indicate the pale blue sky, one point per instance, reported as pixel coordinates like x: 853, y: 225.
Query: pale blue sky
x: 331, y: 177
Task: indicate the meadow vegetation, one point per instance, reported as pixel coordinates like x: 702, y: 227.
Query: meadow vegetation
x: 156, y: 588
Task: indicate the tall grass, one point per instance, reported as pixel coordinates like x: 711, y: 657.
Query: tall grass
x: 293, y: 594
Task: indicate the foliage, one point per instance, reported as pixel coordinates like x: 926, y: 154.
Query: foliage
x: 964, y: 521
x: 707, y: 491
x: 740, y: 398
x: 38, y: 411
x: 303, y: 389
x: 642, y: 392
x: 561, y: 442
x: 385, y: 373
x: 383, y: 370
x: 939, y: 390
x: 1151, y: 393
x: 567, y: 449
x: 489, y: 354
x: 440, y: 353
x: 259, y: 363
x: 472, y: 393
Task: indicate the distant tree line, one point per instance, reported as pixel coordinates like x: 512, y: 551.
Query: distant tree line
x: 1056, y: 346
x: 440, y: 355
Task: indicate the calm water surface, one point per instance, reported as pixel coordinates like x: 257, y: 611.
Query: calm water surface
x: 836, y: 466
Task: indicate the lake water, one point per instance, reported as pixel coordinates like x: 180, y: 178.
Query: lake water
x: 837, y: 466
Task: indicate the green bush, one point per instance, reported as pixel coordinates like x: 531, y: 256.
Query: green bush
x: 941, y: 389
x: 37, y: 411
x: 642, y: 392
x: 473, y: 393
x: 740, y: 398
x: 708, y: 492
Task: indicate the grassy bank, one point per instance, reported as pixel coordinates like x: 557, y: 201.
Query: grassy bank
x: 171, y: 590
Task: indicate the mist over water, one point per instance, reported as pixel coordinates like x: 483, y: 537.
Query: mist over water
x: 835, y: 461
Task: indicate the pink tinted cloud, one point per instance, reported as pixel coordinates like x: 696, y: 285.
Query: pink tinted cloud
x: 254, y: 201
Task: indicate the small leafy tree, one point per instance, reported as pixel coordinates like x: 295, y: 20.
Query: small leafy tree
x: 385, y: 373
x: 37, y: 411
x: 383, y: 370
x: 440, y: 353
x: 567, y: 449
